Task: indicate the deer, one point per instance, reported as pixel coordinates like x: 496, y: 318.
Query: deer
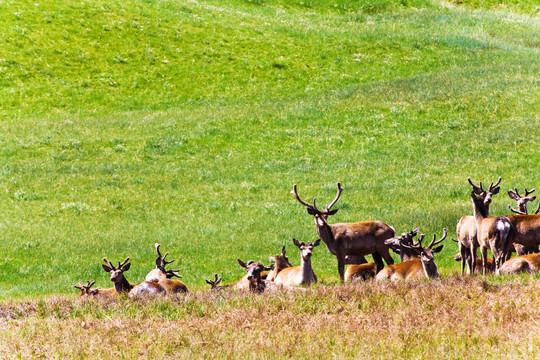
x: 416, y: 268
x: 369, y: 270
x: 122, y: 286
x: 360, y: 271
x: 466, y: 229
x: 280, y: 261
x: 520, y: 264
x: 86, y: 290
x: 164, y: 277
x: 522, y: 210
x: 256, y: 283
x: 215, y: 283
x: 303, y: 274
x: 492, y: 231
x: 353, y: 239
x: 477, y: 262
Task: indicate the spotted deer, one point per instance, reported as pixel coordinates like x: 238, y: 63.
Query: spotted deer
x: 303, y: 274
x: 122, y: 286
x: 353, y: 239
x: 421, y: 267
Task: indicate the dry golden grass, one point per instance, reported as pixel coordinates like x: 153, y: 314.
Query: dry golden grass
x: 451, y: 318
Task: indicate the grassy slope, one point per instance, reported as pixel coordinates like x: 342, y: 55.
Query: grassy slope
x: 186, y: 123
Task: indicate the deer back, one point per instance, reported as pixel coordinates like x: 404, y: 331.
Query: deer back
x: 173, y: 286
x: 525, y: 229
x: 360, y: 272
x: 146, y: 288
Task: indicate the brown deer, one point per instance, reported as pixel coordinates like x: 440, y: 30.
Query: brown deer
x: 397, y: 244
x: 353, y: 239
x: 422, y: 267
x: 492, y: 231
x: 522, y: 210
x: 303, y: 274
x: 256, y: 283
x: 361, y: 271
x: 466, y: 229
x: 280, y: 261
x: 525, y: 263
x: 122, y: 286
x: 164, y: 277
x: 86, y: 290
x: 477, y: 262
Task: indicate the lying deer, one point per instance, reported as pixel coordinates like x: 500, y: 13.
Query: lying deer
x: 164, y: 277
x: 422, y: 267
x: 522, y: 210
x: 215, y: 283
x: 87, y: 291
x: 362, y: 271
x: 280, y: 261
x: 525, y: 263
x: 256, y: 283
x: 493, y: 231
x: 353, y: 239
x: 122, y: 286
x: 303, y: 274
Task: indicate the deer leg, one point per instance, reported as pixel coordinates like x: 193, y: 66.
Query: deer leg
x: 464, y: 258
x: 483, y: 251
x: 378, y: 261
x: 472, y: 259
x: 341, y: 266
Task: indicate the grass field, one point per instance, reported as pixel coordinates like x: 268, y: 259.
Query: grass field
x: 186, y: 123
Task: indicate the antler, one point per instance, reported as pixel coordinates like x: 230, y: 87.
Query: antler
x: 340, y: 190
x: 170, y: 273
x: 492, y: 187
x: 109, y: 263
x: 215, y: 282
x: 433, y: 242
x: 477, y: 189
x: 161, y: 259
x: 295, y: 193
x: 519, y: 212
x: 123, y: 263
x: 415, y: 245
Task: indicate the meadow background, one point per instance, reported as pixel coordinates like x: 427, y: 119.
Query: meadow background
x: 125, y: 123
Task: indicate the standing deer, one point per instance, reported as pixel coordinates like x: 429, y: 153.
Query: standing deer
x: 122, y: 286
x: 256, y: 283
x: 466, y: 230
x: 164, y: 277
x: 86, y: 290
x: 280, y: 261
x: 303, y: 274
x: 422, y: 267
x: 353, y: 239
x: 492, y: 231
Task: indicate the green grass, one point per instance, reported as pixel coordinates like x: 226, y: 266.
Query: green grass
x: 187, y: 123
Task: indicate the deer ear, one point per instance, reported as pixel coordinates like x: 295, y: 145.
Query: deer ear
x: 269, y: 267
x: 126, y: 267
x: 283, y: 251
x: 106, y: 268
x: 438, y: 248
x: 242, y: 264
x: 317, y: 242
x: 533, y: 198
x: 513, y: 195
x: 496, y: 190
x: 311, y: 211
x: 271, y: 259
x: 332, y: 212
x: 296, y: 242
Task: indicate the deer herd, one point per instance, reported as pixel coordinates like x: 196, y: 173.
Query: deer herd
x: 351, y: 242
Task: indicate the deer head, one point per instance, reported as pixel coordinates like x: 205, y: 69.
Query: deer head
x: 281, y: 261
x: 254, y: 270
x: 320, y: 215
x: 485, y: 195
x: 161, y: 263
x: 117, y: 273
x: 85, y: 289
x: 521, y: 200
x: 426, y: 253
x: 306, y: 250
x: 214, y: 283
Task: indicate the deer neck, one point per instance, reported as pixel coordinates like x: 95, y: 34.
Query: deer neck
x: 307, y: 271
x: 406, y: 254
x: 430, y: 269
x: 480, y: 212
x: 122, y: 285
x: 257, y: 286
x: 325, y: 233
